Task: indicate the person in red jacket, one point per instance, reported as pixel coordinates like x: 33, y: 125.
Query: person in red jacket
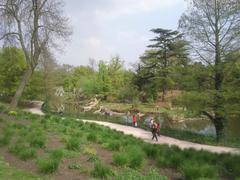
x: 134, y: 120
x: 158, y: 128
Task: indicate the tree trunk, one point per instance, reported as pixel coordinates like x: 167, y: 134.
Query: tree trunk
x: 219, y: 75
x: 219, y: 126
x: 25, y: 79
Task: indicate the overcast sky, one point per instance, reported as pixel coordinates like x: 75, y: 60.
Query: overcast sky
x: 104, y: 28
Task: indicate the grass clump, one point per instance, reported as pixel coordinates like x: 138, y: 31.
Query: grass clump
x: 57, y: 154
x: 51, y: 164
x: 26, y: 154
x: 23, y: 151
x: 193, y: 170
x: 73, y: 144
x: 150, y: 150
x: 136, y: 157
x: 114, y: 145
x: 92, y: 137
x: 5, y: 140
x: 38, y: 141
x: 48, y: 165
x: 120, y: 159
x: 101, y: 171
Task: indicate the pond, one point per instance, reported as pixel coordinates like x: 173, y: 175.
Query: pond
x: 204, y: 126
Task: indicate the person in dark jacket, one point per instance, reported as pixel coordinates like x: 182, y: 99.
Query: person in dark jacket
x: 154, y: 131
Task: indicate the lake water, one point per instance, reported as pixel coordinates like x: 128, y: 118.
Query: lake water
x: 204, y: 126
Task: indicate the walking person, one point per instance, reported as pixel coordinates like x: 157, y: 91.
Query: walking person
x: 154, y: 131
x: 134, y: 120
x: 151, y: 123
x: 158, y: 128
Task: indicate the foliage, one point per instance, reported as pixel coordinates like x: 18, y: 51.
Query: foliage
x: 120, y: 159
x: 73, y: 144
x: 155, y: 70
x: 193, y: 170
x: 23, y: 151
x: 101, y: 171
x: 48, y: 165
x: 13, y: 113
x: 12, y: 67
x: 135, y: 175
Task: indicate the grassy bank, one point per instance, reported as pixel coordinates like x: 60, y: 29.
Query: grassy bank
x: 99, y: 152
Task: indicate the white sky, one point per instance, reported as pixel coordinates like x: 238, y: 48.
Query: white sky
x: 104, y: 28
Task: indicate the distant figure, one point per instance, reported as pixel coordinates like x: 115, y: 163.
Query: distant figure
x: 151, y: 123
x: 158, y: 128
x: 154, y: 131
x: 128, y: 120
x: 134, y: 120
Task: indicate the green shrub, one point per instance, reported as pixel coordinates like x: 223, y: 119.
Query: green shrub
x: 28, y: 153
x: 23, y: 151
x: 136, y: 157
x: 120, y: 159
x: 92, y: 137
x: 101, y: 171
x: 114, y: 145
x: 150, y: 150
x: 162, y: 161
x: 57, y: 154
x: 5, y: 140
x: 38, y: 141
x: 51, y: 163
x: 13, y: 113
x: 194, y: 170
x: 24, y: 132
x: 175, y: 160
x: 73, y: 144
x: 8, y: 131
x: 48, y: 165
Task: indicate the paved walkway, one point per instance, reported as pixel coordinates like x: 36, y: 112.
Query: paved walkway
x: 146, y: 136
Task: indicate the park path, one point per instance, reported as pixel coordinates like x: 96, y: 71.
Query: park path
x: 147, y: 135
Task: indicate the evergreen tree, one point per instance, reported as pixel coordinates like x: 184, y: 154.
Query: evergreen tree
x: 157, y: 63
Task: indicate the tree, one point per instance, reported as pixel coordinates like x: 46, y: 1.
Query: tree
x: 213, y: 28
x: 167, y: 51
x: 33, y: 25
x: 12, y: 66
